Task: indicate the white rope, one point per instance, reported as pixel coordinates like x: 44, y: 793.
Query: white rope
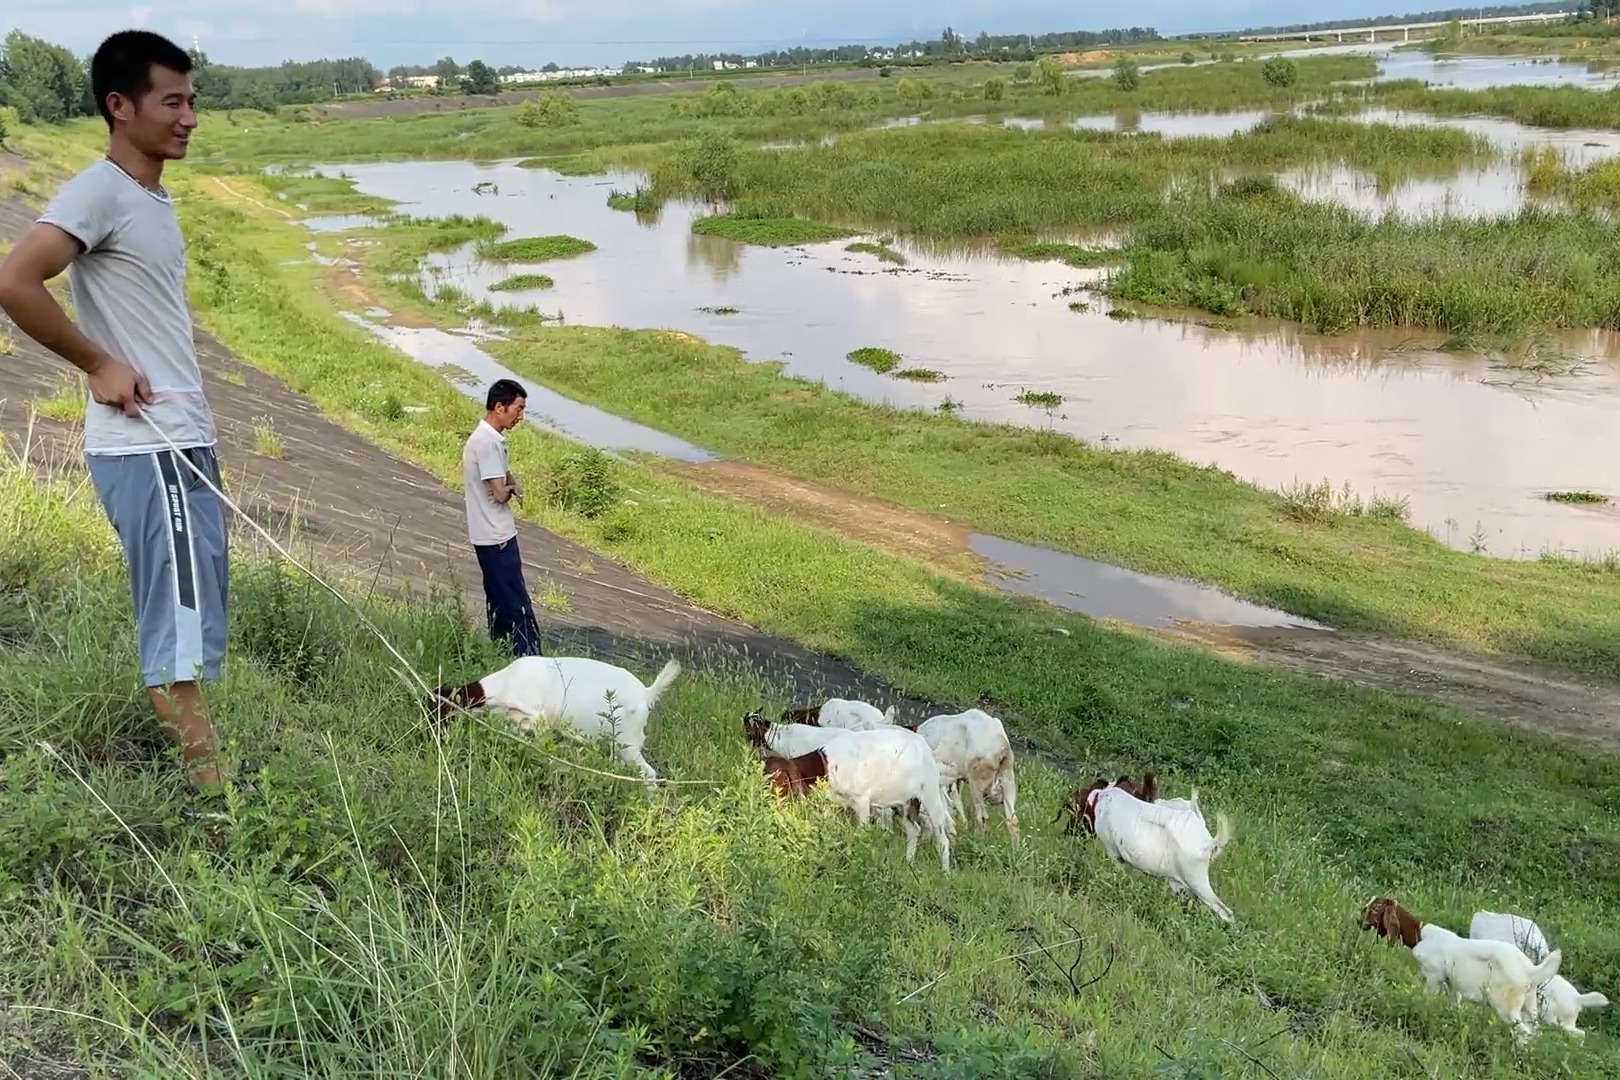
x: 405, y: 664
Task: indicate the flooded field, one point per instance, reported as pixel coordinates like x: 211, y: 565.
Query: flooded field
x: 1474, y: 450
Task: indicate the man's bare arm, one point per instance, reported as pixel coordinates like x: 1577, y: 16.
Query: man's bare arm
x: 500, y: 488
x: 44, y: 252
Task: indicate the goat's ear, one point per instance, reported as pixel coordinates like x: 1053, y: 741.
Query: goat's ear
x: 1150, y: 787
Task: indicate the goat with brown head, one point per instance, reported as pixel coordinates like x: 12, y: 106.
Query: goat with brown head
x: 810, y: 716
x: 755, y: 728
x: 449, y: 700
x: 1079, y: 805
x: 1391, y: 921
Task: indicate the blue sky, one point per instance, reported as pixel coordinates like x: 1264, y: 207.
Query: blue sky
x: 610, y: 31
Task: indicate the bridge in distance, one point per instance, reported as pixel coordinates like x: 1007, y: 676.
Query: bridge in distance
x: 1404, y: 29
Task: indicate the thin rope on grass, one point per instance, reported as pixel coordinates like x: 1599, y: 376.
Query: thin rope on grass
x: 409, y: 670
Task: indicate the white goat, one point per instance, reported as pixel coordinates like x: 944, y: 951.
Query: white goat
x: 886, y: 768
x: 972, y: 748
x: 1495, y: 973
x: 1169, y: 842
x: 579, y: 696
x: 1561, y: 1003
x: 854, y: 715
x: 787, y: 740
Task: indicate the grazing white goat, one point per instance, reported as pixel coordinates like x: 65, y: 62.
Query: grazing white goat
x: 853, y: 715
x: 582, y: 697
x: 787, y: 740
x: 1170, y: 842
x: 1561, y: 1003
x: 972, y: 748
x: 886, y: 768
x: 1491, y: 972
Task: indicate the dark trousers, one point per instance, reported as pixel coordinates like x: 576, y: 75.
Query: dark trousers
x: 506, y: 597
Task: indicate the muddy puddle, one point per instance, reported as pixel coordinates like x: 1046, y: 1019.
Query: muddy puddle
x: 471, y: 370
x: 1472, y: 448
x: 1103, y: 591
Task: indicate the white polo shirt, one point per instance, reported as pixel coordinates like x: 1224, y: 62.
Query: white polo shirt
x: 484, y: 458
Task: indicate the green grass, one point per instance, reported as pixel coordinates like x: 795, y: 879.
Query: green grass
x: 1330, y: 268
x: 266, y: 441
x: 523, y: 283
x: 1537, y: 106
x: 66, y: 405
x: 879, y: 360
x: 881, y: 252
x: 768, y: 231
x: 928, y: 375
x: 1579, y: 498
x: 1074, y: 255
x: 387, y: 903
x: 536, y: 249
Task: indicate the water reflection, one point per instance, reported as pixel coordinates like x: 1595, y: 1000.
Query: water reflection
x: 1473, y: 449
x: 471, y: 370
x: 1102, y: 591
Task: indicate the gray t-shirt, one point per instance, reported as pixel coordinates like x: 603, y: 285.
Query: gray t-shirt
x: 484, y: 458
x: 129, y: 295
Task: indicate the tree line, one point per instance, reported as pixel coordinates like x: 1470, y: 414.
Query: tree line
x: 950, y: 45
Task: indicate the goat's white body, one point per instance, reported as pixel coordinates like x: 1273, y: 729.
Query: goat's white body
x: 853, y: 715
x: 972, y: 748
x: 581, y: 697
x: 797, y: 740
x: 1484, y: 970
x: 885, y: 769
x: 1170, y: 842
x: 1561, y: 1002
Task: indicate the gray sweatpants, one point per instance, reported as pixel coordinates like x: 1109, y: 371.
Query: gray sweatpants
x: 172, y: 528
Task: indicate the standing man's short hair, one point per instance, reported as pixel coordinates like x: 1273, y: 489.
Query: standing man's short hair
x: 504, y: 392
x: 123, y: 65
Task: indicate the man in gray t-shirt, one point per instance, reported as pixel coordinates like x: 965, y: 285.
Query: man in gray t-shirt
x: 148, y: 430
x: 489, y: 487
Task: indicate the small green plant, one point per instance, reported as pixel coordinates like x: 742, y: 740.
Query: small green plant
x: 552, y: 598
x: 391, y: 408
x: 721, y: 310
x: 534, y: 249
x: 920, y: 375
x: 1039, y: 399
x: 881, y: 361
x: 1578, y: 498
x: 1322, y: 504
x: 65, y: 406
x: 640, y: 201
x: 1188, y: 58
x: 523, y: 283
x: 768, y: 231
x: 1023, y: 75
x: 583, y: 483
x: 882, y: 252
x: 995, y: 88
x: 1280, y: 72
x: 266, y: 442
x: 950, y: 405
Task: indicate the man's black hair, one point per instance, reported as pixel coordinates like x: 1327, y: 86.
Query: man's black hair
x: 504, y: 392
x: 123, y: 65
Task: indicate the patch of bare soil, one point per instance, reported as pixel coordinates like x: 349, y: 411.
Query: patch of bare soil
x: 933, y: 541
x: 343, y: 284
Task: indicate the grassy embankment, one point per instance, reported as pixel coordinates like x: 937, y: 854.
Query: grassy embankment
x: 384, y: 904
x: 1148, y: 511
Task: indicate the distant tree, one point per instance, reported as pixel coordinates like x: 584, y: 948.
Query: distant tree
x: 1022, y: 74
x: 528, y: 115
x: 45, y: 82
x: 1280, y: 72
x: 713, y: 166
x: 911, y: 91
x: 8, y: 120
x: 1050, y: 75
x: 480, y: 78
x: 448, y: 72
x: 557, y: 110
x: 1127, y: 76
x: 1188, y: 58
x: 995, y: 88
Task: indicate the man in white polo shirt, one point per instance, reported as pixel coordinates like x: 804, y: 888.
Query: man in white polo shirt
x: 489, y: 488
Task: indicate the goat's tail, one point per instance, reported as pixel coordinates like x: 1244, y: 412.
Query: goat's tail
x: 660, y: 684
x: 1223, y: 834
x: 1547, y: 968
x: 1592, y: 1000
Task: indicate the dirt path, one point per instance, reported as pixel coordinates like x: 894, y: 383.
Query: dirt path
x: 390, y: 522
